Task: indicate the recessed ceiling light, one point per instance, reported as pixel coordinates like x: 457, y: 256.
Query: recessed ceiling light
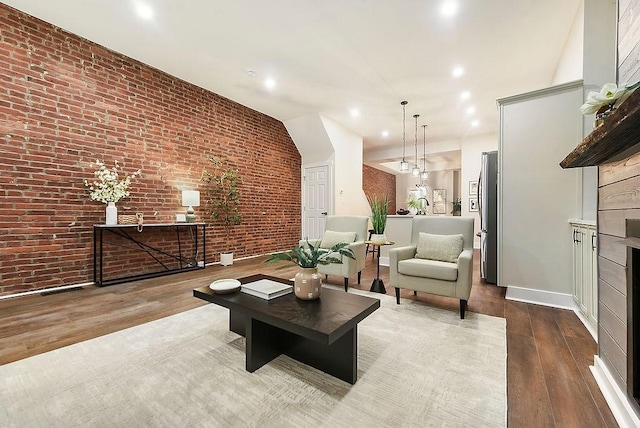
x: 144, y: 11
x: 465, y: 95
x: 449, y: 8
x: 457, y: 71
x: 269, y: 83
x: 385, y: 133
x: 354, y: 112
x: 471, y: 110
x: 475, y: 123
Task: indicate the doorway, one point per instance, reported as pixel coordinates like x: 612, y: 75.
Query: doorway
x: 316, y: 197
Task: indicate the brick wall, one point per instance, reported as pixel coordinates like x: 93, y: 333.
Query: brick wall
x: 380, y: 183
x: 66, y: 102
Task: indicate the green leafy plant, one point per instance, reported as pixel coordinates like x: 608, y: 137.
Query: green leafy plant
x: 310, y: 256
x: 414, y: 202
x: 223, y: 195
x: 457, y: 205
x: 379, y: 209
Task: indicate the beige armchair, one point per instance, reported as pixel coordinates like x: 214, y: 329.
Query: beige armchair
x: 354, y: 228
x: 437, y: 270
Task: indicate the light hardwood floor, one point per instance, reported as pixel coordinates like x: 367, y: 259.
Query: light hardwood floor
x: 549, y: 383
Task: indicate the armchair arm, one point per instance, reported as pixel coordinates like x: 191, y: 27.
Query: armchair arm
x: 396, y: 255
x: 359, y: 249
x: 465, y: 271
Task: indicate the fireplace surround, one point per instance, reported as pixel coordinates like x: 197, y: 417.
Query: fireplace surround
x: 615, y: 148
x: 633, y: 311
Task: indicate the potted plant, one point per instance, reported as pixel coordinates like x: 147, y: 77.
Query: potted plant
x: 457, y: 206
x: 307, y: 282
x: 379, y: 209
x: 223, y: 195
x: 413, y: 204
x: 109, y: 188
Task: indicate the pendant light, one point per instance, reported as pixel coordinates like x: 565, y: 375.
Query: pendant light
x: 404, y: 165
x: 416, y: 170
x: 424, y: 174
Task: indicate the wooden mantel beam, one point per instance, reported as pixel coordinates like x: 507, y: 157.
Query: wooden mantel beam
x: 619, y: 132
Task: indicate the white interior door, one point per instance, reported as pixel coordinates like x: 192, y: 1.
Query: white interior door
x: 316, y: 200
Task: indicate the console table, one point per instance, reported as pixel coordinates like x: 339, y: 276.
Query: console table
x: 130, y: 234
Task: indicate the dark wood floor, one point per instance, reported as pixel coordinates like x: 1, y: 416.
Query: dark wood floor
x: 549, y: 383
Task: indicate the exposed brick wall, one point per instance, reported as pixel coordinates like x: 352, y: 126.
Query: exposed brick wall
x: 66, y: 102
x: 380, y: 183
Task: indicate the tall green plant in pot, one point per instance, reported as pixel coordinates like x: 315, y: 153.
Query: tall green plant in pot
x: 379, y: 208
x: 223, y: 200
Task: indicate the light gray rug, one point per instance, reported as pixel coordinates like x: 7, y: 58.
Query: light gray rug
x: 417, y: 366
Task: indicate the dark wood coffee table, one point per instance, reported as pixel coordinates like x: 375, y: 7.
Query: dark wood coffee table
x: 322, y: 333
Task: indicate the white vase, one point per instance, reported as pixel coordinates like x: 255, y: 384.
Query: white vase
x: 226, y: 259
x: 112, y: 213
x: 378, y: 238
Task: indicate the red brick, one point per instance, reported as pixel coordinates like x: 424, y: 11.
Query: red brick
x: 113, y: 107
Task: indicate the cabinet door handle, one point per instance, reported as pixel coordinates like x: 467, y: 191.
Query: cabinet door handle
x: 578, y: 236
x: 593, y: 242
x: 574, y: 236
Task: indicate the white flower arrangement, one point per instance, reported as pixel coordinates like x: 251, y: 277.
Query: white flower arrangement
x: 607, y: 96
x: 108, y: 187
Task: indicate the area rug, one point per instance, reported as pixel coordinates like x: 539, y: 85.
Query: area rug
x: 417, y: 366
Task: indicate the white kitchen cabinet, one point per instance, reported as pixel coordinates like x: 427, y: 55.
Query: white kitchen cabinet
x: 585, y: 272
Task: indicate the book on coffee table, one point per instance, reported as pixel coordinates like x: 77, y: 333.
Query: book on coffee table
x: 266, y: 289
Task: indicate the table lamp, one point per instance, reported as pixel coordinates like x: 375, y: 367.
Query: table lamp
x: 190, y: 198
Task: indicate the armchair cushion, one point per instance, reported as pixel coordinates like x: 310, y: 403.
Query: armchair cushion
x: 429, y: 269
x: 332, y: 238
x: 445, y: 248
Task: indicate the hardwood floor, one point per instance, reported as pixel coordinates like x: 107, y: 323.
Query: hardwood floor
x: 549, y: 383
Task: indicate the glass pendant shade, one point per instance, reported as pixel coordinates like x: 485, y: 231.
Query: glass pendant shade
x: 424, y: 175
x: 404, y: 165
x: 415, y: 171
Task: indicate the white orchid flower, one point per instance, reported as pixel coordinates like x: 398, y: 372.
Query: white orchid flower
x: 108, y: 187
x: 608, y: 95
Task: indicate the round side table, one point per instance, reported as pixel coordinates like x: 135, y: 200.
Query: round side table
x: 377, y: 285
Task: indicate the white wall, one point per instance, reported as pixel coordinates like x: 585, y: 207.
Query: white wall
x: 538, y: 197
x: 322, y: 141
x: 472, y: 149
x: 599, y: 67
x: 310, y: 137
x: 349, y: 198
x: 570, y: 64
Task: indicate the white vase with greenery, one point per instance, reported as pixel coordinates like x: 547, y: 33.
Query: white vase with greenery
x: 109, y: 188
x: 379, y: 208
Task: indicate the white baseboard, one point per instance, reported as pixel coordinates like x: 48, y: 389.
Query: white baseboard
x: 616, y: 399
x: 46, y: 290
x: 384, y: 261
x: 592, y: 330
x: 540, y: 297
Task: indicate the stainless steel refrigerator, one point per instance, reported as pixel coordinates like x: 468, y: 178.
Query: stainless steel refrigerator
x: 488, y: 209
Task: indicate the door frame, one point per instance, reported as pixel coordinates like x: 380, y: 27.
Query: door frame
x: 330, y: 195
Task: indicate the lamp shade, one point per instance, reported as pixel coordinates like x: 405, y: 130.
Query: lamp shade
x: 190, y: 198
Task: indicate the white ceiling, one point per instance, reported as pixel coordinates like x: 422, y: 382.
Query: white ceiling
x: 330, y: 56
